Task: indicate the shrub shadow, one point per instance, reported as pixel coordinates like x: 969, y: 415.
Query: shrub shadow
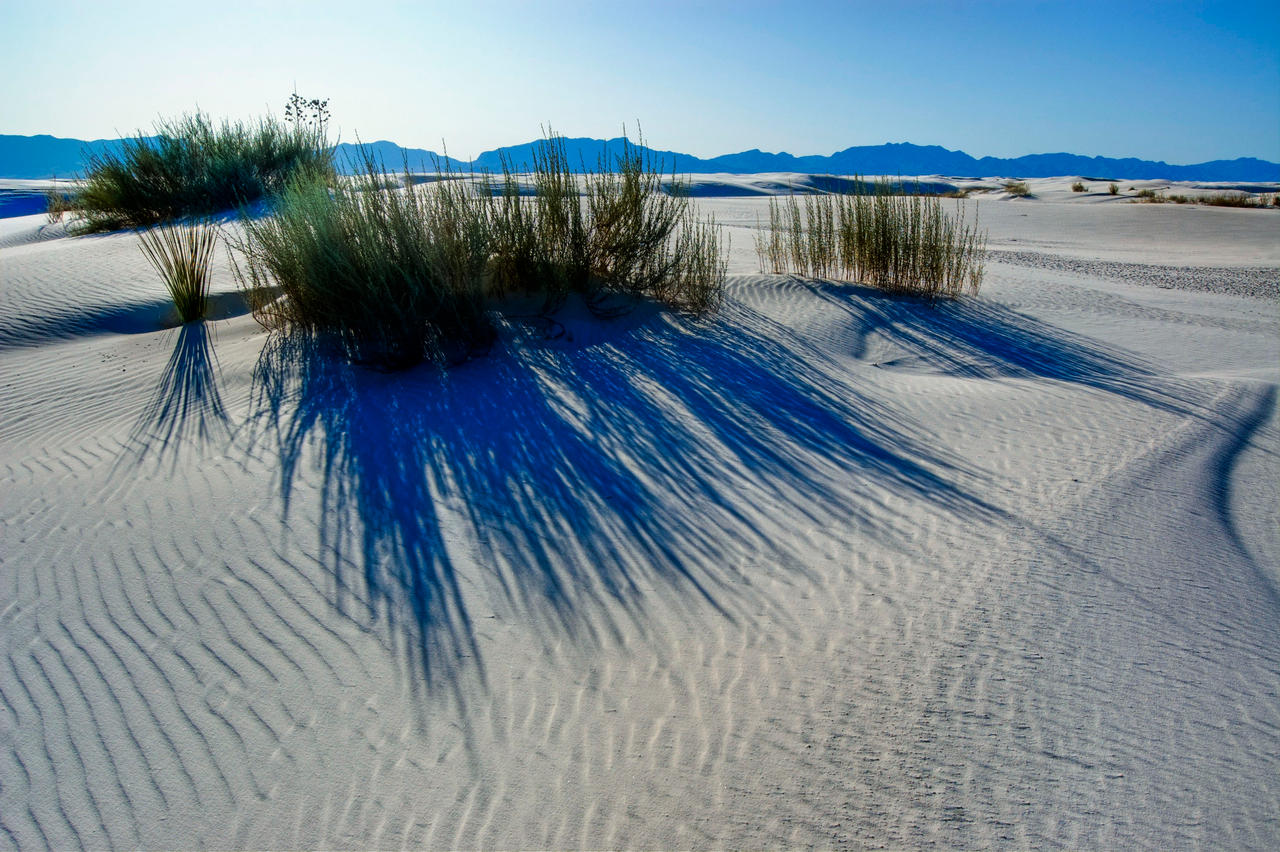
x: 977, y: 338
x: 186, y: 406
x: 575, y: 489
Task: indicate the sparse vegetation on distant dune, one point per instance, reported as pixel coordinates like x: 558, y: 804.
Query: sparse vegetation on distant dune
x: 1017, y: 188
x: 195, y: 167
x: 1238, y: 199
x: 902, y: 244
x: 1215, y: 199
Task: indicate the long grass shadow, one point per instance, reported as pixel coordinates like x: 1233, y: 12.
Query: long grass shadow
x: 982, y: 339
x: 582, y: 489
x: 186, y: 406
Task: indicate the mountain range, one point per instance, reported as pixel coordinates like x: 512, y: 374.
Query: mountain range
x: 48, y: 156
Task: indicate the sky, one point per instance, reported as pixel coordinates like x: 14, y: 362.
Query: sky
x: 1182, y: 82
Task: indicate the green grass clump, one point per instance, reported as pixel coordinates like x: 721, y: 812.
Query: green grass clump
x: 1078, y: 187
x: 902, y: 244
x: 1017, y: 188
x: 195, y: 167
x: 181, y: 254
x: 604, y: 232
x: 391, y: 275
x: 400, y: 275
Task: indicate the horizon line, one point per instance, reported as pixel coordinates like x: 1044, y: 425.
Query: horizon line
x: 339, y: 141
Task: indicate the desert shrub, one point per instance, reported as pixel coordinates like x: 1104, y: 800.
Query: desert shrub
x: 611, y: 231
x: 181, y: 253
x: 1017, y: 188
x: 1078, y: 187
x: 1233, y: 199
x: 399, y: 275
x: 391, y: 276
x: 698, y: 265
x: 195, y: 167
x: 1113, y: 189
x: 903, y: 244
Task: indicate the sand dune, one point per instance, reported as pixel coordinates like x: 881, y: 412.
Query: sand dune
x: 830, y: 569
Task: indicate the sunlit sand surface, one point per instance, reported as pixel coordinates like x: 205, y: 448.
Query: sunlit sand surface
x: 829, y: 569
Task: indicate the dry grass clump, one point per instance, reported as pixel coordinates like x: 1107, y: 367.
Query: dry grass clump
x: 194, y: 167
x: 902, y: 244
x: 400, y: 275
x: 1217, y: 199
x: 1113, y: 189
x: 1078, y: 187
x: 1017, y: 188
x: 1238, y: 199
x: 59, y: 203
x: 181, y: 253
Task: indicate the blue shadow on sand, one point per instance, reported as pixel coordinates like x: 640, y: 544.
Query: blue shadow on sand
x: 572, y: 487
x: 976, y: 338
x: 186, y: 406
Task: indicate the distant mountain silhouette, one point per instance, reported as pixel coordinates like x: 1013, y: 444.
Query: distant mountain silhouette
x: 46, y: 156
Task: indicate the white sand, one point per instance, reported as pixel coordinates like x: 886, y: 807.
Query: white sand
x: 829, y: 570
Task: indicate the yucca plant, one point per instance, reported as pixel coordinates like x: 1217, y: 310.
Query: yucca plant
x: 181, y: 253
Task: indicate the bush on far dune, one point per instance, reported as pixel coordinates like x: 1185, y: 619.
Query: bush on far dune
x: 194, y: 167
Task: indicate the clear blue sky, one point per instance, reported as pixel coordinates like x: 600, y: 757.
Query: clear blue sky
x: 1181, y: 82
